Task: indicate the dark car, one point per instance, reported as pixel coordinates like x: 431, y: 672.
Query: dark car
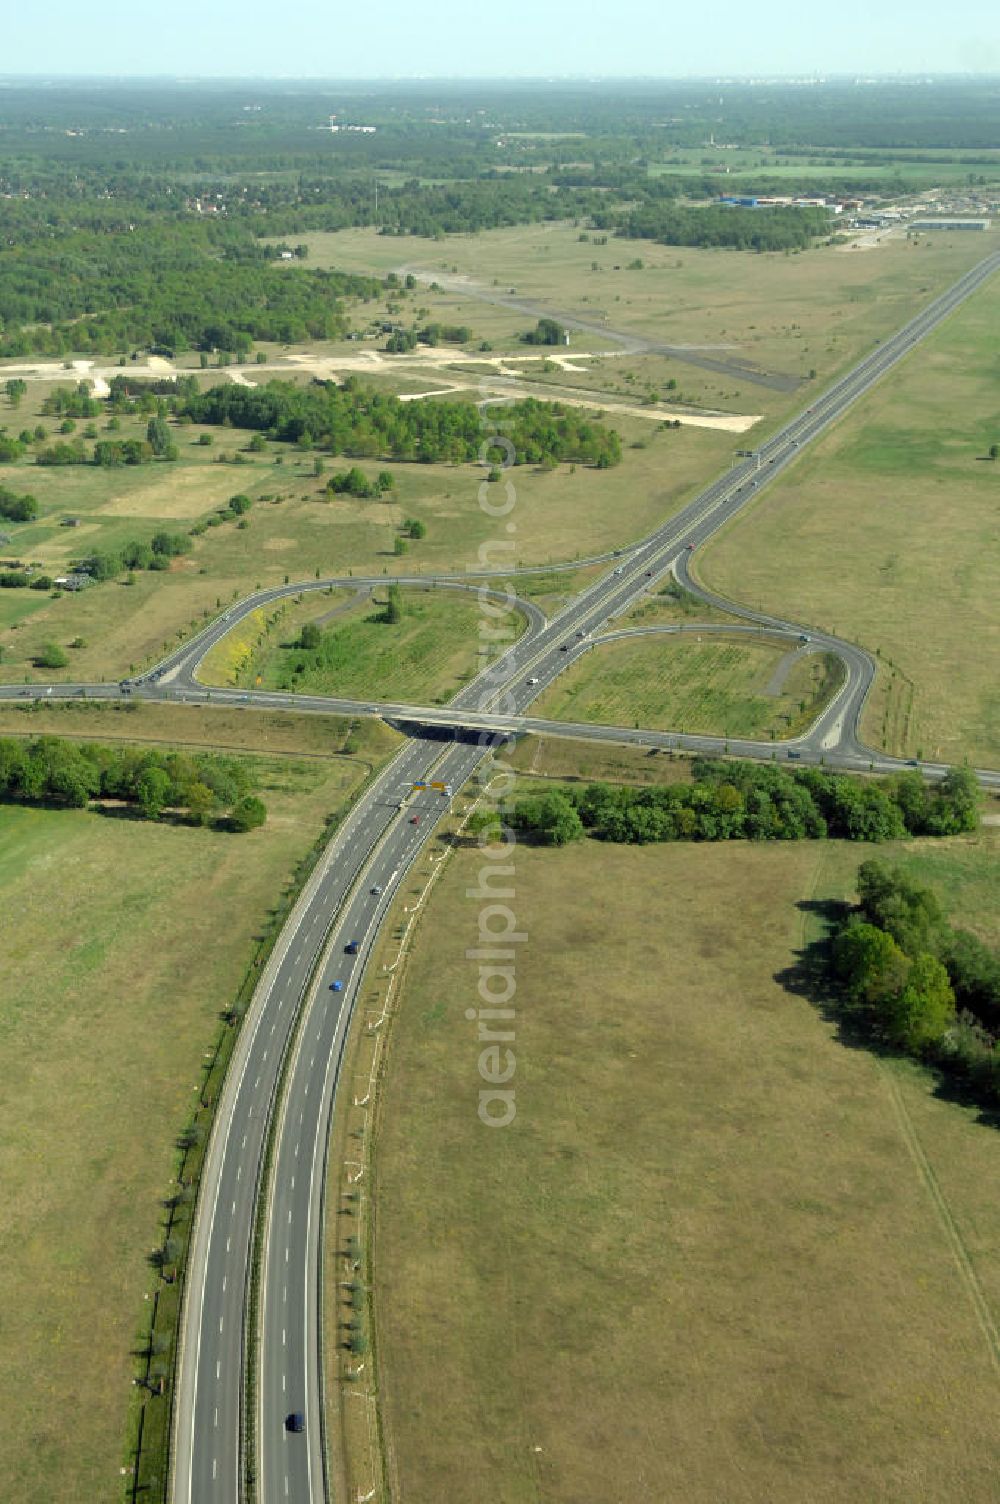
x: 351, y: 948
x: 795, y: 756
x: 564, y: 647
x: 295, y: 1422
x: 414, y: 819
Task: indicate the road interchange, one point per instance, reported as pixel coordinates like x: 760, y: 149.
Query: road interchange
x: 294, y: 1008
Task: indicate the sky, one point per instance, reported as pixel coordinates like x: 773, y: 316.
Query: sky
x: 516, y: 38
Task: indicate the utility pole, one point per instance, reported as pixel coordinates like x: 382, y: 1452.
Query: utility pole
x: 376, y: 203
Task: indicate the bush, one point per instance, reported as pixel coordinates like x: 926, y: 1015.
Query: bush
x: 17, y: 508
x: 248, y: 814
x: 51, y: 656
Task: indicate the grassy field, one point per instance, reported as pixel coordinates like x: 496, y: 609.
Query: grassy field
x: 235, y: 728
x: 301, y: 532
x: 104, y: 1016
x: 886, y: 531
x: 690, y: 683
x: 424, y: 657
x: 716, y: 1254
x: 922, y: 166
x: 570, y: 761
x: 813, y: 311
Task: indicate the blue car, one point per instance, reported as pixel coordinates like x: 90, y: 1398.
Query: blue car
x: 336, y: 986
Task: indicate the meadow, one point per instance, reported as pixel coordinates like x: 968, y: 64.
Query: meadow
x: 737, y: 687
x: 717, y: 1255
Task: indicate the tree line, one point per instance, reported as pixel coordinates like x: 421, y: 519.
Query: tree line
x: 745, y: 801
x: 355, y: 420
x: 909, y: 979
x: 204, y: 788
x: 739, y: 229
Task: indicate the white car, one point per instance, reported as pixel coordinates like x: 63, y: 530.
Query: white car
x: 532, y: 680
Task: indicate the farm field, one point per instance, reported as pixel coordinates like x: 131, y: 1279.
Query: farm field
x: 818, y: 310
x: 426, y: 656
x: 675, y: 1274
x: 103, y: 1021
x: 886, y: 532
x: 919, y: 167
x: 734, y: 687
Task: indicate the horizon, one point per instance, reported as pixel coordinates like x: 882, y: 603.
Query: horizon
x: 858, y: 76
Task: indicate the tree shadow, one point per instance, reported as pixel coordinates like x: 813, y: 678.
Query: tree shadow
x: 119, y: 812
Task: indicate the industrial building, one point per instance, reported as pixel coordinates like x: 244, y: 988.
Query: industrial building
x: 949, y: 224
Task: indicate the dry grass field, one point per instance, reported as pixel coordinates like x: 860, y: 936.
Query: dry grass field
x: 123, y: 940
x: 717, y: 1255
x: 886, y: 531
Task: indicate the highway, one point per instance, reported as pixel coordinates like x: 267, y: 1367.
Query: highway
x: 288, y: 1368
x: 294, y: 1007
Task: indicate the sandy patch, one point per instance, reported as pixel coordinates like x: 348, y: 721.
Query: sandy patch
x: 278, y: 545
x: 238, y: 379
x: 85, y: 370
x: 160, y: 366
x: 868, y: 240
x: 438, y: 391
x: 728, y: 423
